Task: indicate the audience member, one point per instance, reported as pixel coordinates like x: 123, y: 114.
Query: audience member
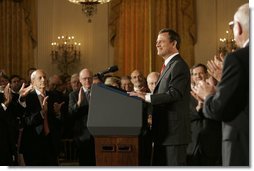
x: 97, y: 79
x: 126, y: 83
x: 37, y: 145
x: 205, y: 147
x: 113, y: 82
x: 229, y: 101
x: 152, y: 79
x: 139, y: 82
x: 78, y: 109
x: 7, y: 154
x: 15, y: 83
x: 75, y: 84
x: 4, y: 80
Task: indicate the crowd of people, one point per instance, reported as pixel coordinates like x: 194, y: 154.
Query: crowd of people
x: 197, y: 116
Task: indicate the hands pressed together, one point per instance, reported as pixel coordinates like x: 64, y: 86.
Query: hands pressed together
x: 215, y: 66
x: 204, y: 88
x: 7, y: 95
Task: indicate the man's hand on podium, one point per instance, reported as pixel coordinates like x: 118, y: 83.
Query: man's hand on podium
x: 138, y: 94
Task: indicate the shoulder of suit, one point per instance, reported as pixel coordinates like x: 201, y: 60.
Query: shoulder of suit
x: 239, y: 53
x: 74, y: 93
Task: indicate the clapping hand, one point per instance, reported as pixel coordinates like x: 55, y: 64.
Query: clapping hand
x: 57, y: 107
x: 25, y: 90
x: 215, y: 67
x: 7, y: 95
x: 80, y: 97
x: 45, y: 105
x: 201, y: 90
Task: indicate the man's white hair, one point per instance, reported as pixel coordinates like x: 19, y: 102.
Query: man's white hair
x: 32, y: 77
x: 242, y: 16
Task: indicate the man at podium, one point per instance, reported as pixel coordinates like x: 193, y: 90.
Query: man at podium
x: 170, y: 101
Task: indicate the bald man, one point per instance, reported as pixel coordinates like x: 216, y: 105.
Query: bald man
x: 152, y: 79
x: 78, y: 109
x: 37, y: 143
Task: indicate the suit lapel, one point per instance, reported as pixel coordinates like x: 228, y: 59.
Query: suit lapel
x: 167, y: 68
x: 36, y: 103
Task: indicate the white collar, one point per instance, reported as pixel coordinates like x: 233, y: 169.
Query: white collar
x: 246, y: 42
x: 38, y: 92
x: 84, y: 89
x: 169, y: 58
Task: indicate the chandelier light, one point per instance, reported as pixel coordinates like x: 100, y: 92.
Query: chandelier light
x: 227, y: 44
x: 89, y: 7
x: 65, y: 52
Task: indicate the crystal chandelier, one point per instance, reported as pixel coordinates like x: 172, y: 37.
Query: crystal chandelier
x: 89, y: 7
x: 65, y: 52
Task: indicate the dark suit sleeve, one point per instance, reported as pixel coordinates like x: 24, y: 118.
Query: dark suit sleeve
x: 230, y: 94
x: 33, y: 116
x: 74, y: 110
x: 73, y: 107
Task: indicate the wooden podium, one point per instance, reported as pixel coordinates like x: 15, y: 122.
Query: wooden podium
x: 116, y: 122
x: 117, y: 151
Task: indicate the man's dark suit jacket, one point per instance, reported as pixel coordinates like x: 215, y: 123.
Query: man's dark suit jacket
x: 79, y: 115
x: 6, y: 149
x: 230, y: 104
x: 37, y: 149
x: 81, y: 134
x: 171, y: 123
x: 205, y: 146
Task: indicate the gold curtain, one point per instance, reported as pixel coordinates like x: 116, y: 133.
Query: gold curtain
x: 18, y: 29
x: 134, y: 25
x: 178, y: 15
x: 131, y: 38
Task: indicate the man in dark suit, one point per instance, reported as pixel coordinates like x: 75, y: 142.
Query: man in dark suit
x: 37, y: 143
x: 229, y: 102
x: 205, y: 147
x: 6, y: 146
x: 170, y: 100
x: 78, y: 109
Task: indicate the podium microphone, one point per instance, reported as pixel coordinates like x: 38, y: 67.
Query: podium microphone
x: 101, y: 74
x: 108, y: 70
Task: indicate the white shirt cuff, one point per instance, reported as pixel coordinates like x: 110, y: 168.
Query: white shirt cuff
x: 23, y: 104
x: 148, y: 97
x: 4, y: 107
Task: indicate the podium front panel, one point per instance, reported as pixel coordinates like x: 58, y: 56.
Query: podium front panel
x: 112, y: 112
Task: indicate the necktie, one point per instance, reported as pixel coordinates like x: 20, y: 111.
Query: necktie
x: 162, y: 68
x: 45, y: 121
x: 41, y: 98
x: 88, y: 95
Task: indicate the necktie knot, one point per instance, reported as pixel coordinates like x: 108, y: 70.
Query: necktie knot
x: 41, y: 98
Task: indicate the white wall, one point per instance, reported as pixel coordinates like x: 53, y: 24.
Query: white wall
x: 60, y: 17
x: 213, y: 17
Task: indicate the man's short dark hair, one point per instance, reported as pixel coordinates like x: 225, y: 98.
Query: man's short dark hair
x: 173, y: 36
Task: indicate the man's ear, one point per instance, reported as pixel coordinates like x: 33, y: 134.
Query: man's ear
x: 239, y: 28
x: 175, y: 43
